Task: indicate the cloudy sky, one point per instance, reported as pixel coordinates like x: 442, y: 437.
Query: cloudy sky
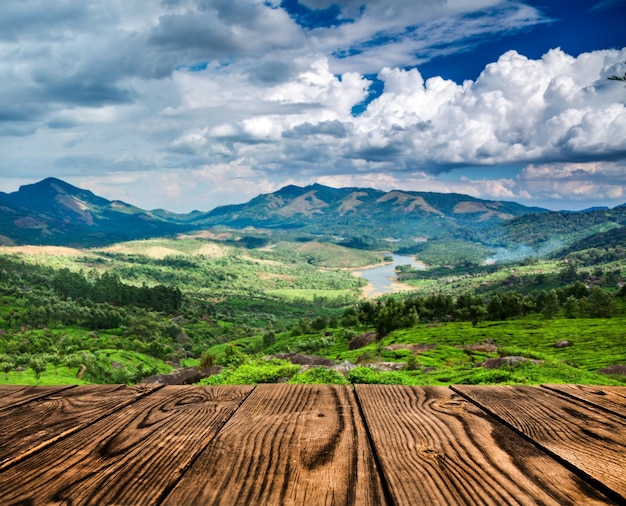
x: 191, y: 104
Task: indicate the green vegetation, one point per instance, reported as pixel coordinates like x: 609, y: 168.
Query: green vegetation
x: 119, y: 314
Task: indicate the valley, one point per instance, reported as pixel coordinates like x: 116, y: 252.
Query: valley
x: 537, y: 298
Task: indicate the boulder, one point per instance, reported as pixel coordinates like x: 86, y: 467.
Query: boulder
x: 487, y: 346
x: 498, y: 362
x: 299, y: 359
x: 186, y: 376
x: 563, y: 343
x: 388, y: 366
x: 362, y: 340
x: 344, y: 368
x: 617, y: 369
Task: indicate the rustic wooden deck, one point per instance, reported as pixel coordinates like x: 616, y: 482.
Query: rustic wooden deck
x: 305, y: 444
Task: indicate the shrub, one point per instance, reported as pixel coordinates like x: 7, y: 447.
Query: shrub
x: 253, y: 372
x: 232, y: 357
x: 319, y: 376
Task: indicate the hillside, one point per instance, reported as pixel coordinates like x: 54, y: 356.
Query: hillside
x: 53, y: 212
x: 365, y: 211
x: 451, y: 227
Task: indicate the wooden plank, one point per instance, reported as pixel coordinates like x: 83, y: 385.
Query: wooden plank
x: 287, y: 444
x: 609, y: 398
x: 47, y: 419
x: 590, y: 441
x: 9, y: 389
x: 23, y: 394
x: 434, y: 447
x: 133, y: 456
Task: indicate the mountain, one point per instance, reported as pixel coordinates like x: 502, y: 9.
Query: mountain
x: 353, y: 212
x: 54, y: 212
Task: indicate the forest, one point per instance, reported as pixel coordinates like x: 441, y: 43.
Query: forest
x: 123, y: 313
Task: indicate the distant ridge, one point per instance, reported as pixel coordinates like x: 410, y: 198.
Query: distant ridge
x: 53, y: 212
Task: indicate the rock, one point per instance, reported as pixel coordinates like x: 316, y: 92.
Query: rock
x: 362, y: 340
x: 563, y: 343
x: 344, y: 368
x: 186, y: 376
x: 299, y: 359
x: 388, y: 366
x: 617, y: 369
x: 488, y: 346
x: 496, y: 363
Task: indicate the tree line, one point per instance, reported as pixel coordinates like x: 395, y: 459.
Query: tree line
x: 572, y: 301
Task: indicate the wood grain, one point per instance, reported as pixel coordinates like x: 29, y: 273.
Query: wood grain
x: 591, y: 441
x: 47, y: 419
x: 287, y: 444
x: 609, y: 398
x: 17, y: 395
x: 435, y: 447
x: 132, y: 456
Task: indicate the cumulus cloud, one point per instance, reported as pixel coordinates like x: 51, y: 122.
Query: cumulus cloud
x: 242, y: 93
x: 578, y: 181
x: 518, y: 110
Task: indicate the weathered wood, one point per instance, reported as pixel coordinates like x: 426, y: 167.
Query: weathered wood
x: 21, y: 395
x: 132, y: 456
x: 609, y: 398
x: 588, y: 440
x: 435, y: 447
x: 9, y: 389
x: 47, y: 419
x: 287, y: 444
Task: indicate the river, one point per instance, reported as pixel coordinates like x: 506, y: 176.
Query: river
x: 382, y: 277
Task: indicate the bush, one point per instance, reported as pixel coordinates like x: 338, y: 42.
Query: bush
x: 232, y: 357
x: 319, y: 376
x: 253, y: 372
x: 369, y: 376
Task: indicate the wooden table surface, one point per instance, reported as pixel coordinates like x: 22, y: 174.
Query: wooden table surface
x: 312, y: 444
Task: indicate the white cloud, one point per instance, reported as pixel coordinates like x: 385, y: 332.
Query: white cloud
x: 558, y: 107
x: 190, y: 93
x: 585, y: 182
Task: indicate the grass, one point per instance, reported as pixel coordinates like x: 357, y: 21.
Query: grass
x: 308, y: 294
x: 51, y: 376
x: 447, y: 356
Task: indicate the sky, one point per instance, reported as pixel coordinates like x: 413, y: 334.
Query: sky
x: 192, y: 104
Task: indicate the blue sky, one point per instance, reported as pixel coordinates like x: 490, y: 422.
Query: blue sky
x: 191, y: 104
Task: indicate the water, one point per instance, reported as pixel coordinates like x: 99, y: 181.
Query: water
x: 381, y: 277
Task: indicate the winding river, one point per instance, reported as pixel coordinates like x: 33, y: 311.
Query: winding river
x: 382, y: 277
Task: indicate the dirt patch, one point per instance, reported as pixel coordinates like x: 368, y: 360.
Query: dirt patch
x: 211, y: 250
x: 415, y: 348
x: 43, y: 250
x: 270, y: 275
x: 161, y: 252
x: 484, y: 347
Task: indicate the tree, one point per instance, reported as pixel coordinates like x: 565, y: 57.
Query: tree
x: 551, y: 304
x: 571, y: 308
x: 269, y: 338
x: 495, y: 307
x: 7, y: 366
x: 601, y: 304
x: 38, y: 365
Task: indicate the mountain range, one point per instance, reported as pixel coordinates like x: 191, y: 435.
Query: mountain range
x: 53, y: 212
